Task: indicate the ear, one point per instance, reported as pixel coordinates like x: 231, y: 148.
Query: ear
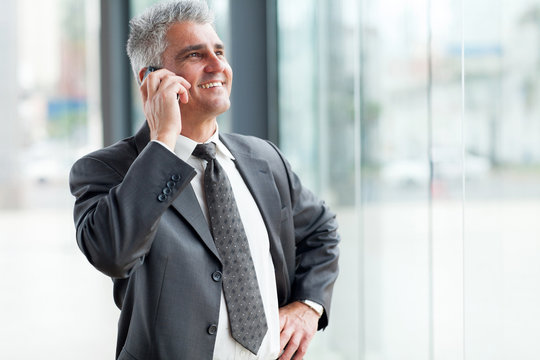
x: 141, y: 74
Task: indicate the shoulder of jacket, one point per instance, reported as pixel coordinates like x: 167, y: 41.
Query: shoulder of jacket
x: 117, y: 156
x: 249, y: 144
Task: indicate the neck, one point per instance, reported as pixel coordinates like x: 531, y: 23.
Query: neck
x: 199, y: 131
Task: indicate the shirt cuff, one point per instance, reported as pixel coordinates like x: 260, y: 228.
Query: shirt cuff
x: 318, y: 308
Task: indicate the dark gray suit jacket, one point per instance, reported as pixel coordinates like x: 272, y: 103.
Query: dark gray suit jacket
x: 157, y: 247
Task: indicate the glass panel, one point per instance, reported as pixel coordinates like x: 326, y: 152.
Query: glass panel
x: 319, y: 135
x: 502, y: 146
x: 298, y: 64
x: 50, y: 117
x: 445, y: 151
x: 395, y: 180
x: 444, y: 264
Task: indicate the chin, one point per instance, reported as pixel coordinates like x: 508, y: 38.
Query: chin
x: 222, y: 107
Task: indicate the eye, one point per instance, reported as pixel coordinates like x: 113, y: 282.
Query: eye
x: 220, y: 53
x: 194, y: 54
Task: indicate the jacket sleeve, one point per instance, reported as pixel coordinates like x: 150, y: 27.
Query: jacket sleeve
x: 316, y: 238
x: 119, y: 203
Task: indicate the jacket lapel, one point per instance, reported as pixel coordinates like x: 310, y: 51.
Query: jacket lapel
x: 188, y: 207
x: 260, y: 182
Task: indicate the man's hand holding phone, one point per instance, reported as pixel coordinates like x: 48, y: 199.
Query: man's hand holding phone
x: 161, y: 92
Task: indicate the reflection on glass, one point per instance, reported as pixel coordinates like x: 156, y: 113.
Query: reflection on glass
x: 501, y: 229
x: 50, y: 117
x: 440, y: 253
x: 55, y: 112
x: 317, y: 72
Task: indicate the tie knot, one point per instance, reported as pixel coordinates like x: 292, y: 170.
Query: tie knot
x: 205, y: 151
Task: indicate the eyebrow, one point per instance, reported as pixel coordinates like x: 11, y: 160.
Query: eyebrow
x: 180, y: 55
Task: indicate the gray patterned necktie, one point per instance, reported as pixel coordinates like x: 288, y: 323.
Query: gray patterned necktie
x: 240, y: 286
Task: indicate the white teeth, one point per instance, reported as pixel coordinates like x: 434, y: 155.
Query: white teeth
x: 211, y: 85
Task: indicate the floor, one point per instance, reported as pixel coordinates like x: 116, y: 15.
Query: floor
x: 54, y: 305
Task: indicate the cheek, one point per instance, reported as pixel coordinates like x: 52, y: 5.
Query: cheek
x: 188, y: 78
x: 187, y: 72
x: 229, y: 75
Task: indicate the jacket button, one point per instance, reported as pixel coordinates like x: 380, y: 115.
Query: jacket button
x: 170, y: 184
x: 162, y: 197
x: 166, y: 191
x: 216, y: 276
x: 175, y: 177
x: 212, y: 329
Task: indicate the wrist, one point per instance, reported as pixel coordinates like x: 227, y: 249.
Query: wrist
x: 167, y: 140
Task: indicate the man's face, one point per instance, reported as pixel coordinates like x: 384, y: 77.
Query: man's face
x: 196, y: 53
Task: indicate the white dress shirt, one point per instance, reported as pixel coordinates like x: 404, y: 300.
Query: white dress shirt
x: 226, y: 347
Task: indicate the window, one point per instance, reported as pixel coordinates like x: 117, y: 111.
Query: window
x: 50, y: 117
x: 416, y: 120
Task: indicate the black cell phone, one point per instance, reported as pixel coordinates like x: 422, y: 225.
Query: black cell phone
x: 148, y: 71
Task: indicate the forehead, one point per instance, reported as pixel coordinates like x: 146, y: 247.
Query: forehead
x: 185, y: 34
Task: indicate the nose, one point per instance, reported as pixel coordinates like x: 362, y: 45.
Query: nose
x: 214, y: 64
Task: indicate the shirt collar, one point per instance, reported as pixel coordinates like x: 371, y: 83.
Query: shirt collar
x: 185, y: 146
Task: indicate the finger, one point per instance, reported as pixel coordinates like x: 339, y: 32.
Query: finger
x: 150, y: 85
x: 183, y: 92
x: 282, y: 319
x: 291, y: 348
x: 175, y: 89
x: 165, y: 75
x: 183, y: 95
x: 171, y: 77
x: 183, y: 82
x: 154, y: 78
x: 301, y: 350
x: 284, y: 339
x: 161, y: 76
x: 285, y: 333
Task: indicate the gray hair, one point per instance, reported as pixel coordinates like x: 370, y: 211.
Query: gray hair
x: 147, y: 32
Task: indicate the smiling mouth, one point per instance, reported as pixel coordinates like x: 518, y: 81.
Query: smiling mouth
x: 212, y: 85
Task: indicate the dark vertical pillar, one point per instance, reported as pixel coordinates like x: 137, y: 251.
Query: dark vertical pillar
x: 253, y: 57
x: 115, y: 71
x: 272, y: 70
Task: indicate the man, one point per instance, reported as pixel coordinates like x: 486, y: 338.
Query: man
x: 146, y: 216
